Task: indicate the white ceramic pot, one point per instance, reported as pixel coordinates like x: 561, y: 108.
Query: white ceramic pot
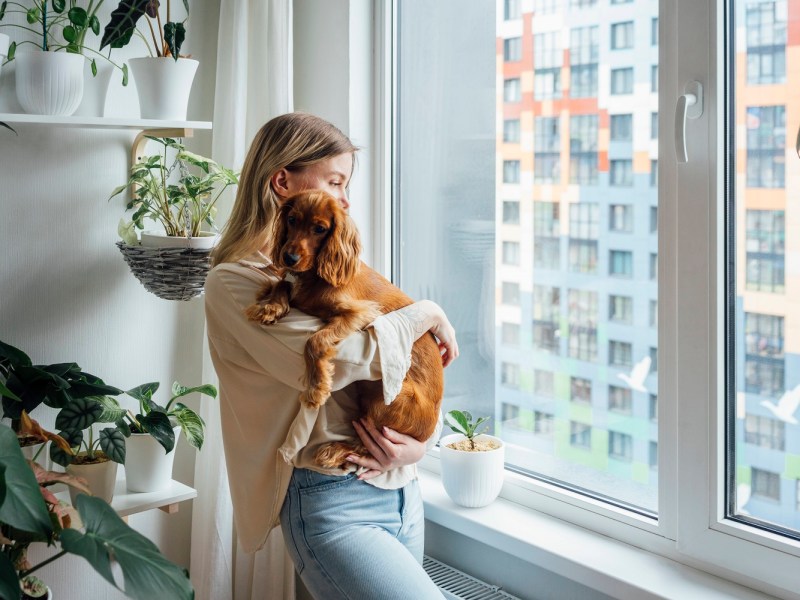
x: 101, y: 478
x: 163, y: 85
x: 30, y: 451
x: 147, y: 467
x: 4, y: 43
x: 472, y: 479
x: 95, y: 89
x: 157, y: 239
x: 49, y: 83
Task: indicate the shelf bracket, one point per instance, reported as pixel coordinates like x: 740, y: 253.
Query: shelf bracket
x: 137, y: 150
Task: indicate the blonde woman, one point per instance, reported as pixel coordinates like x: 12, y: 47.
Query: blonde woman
x: 354, y: 534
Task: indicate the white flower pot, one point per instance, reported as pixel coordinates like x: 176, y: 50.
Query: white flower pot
x: 472, y: 479
x: 95, y: 89
x: 101, y: 478
x: 49, y: 83
x: 147, y: 467
x: 157, y: 239
x: 163, y: 85
x: 4, y: 43
x: 30, y: 451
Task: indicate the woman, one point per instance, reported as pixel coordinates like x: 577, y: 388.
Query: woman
x: 355, y: 534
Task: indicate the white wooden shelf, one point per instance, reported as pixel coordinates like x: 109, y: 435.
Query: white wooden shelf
x: 128, y: 503
x: 101, y: 122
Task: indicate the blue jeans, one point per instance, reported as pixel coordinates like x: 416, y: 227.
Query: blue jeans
x: 352, y: 541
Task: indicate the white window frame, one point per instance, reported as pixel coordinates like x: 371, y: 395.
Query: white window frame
x: 691, y: 527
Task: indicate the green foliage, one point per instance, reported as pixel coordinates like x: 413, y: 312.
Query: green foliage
x: 182, y: 207
x: 461, y: 422
x: 26, y: 517
x: 122, y: 25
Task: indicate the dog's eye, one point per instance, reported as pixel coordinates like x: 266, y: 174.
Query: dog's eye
x: 291, y: 220
x: 319, y: 229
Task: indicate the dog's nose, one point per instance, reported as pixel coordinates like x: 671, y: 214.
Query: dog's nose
x: 290, y: 259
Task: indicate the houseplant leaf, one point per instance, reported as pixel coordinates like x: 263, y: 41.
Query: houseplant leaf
x: 143, y: 392
x: 157, y: 424
x: 122, y: 23
x: 79, y: 414
x: 146, y: 572
x: 178, y: 391
x: 112, y: 442
x: 174, y: 34
x: 9, y: 582
x: 13, y: 356
x: 457, y: 421
x: 191, y: 424
x: 112, y: 411
x: 74, y: 439
x: 22, y: 506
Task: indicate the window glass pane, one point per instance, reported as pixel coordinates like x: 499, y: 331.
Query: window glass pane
x: 764, y: 314
x: 538, y: 218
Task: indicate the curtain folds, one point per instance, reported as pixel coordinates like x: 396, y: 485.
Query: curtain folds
x: 253, y: 84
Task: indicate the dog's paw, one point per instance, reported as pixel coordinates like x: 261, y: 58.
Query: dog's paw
x: 266, y: 314
x: 313, y: 399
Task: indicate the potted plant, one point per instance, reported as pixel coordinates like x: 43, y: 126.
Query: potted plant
x: 153, y: 432
x: 472, y: 461
x: 178, y: 190
x: 52, y: 82
x: 164, y: 79
x: 31, y: 514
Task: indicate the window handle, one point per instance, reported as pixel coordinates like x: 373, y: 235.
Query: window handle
x: 690, y: 106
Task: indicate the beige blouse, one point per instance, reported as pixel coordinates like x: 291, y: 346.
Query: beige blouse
x: 266, y: 432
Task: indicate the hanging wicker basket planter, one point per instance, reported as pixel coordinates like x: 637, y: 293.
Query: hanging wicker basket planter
x: 169, y: 273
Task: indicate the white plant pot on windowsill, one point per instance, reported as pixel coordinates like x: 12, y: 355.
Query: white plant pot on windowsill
x: 5, y: 41
x: 49, y: 83
x: 472, y: 479
x: 148, y: 468
x: 101, y: 478
x: 163, y: 85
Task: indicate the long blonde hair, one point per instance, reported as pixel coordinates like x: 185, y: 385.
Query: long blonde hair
x: 292, y: 141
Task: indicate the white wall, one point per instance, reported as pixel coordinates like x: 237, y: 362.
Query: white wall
x: 66, y: 293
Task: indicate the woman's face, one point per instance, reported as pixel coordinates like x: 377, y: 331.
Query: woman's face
x: 331, y: 175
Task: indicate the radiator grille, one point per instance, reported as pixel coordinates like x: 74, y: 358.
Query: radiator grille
x: 457, y: 585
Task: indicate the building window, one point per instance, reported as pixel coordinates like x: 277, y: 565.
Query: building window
x: 511, y: 131
x: 543, y: 383
x: 621, y: 128
x: 580, y: 435
x: 620, y: 309
x: 765, y: 484
x: 620, y: 446
x: 546, y: 7
x: 653, y: 266
x: 622, y: 35
x: 510, y: 293
x: 653, y: 360
x: 584, y: 50
x: 543, y: 423
x: 621, y: 173
x: 582, y: 3
x: 583, y: 231
x: 512, y: 90
x: 765, y: 432
x: 653, y: 455
x: 546, y: 241
x: 653, y: 219
x: 653, y: 407
x: 654, y: 78
x: 583, y: 149
x: 654, y: 31
x: 547, y: 60
x: 766, y: 139
x: 510, y: 412
x: 654, y: 313
x: 620, y: 263
x: 764, y: 360
x: 509, y: 375
x: 580, y: 389
x: 512, y: 49
x: 511, y: 212
x: 546, y: 150
x: 620, y: 399
x: 766, y: 42
x: 620, y: 218
x: 582, y: 320
x: 766, y: 232
x: 510, y: 334
x: 511, y: 253
x: 510, y: 171
x: 511, y: 10
x: 546, y: 318
x: 620, y: 354
x: 622, y: 81
x: 653, y: 125
x: 654, y: 173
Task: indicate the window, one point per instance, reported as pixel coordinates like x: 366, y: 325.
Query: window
x: 543, y: 383
x: 546, y: 150
x: 766, y: 485
x: 653, y: 407
x: 620, y: 263
x: 653, y: 266
x: 582, y: 3
x: 654, y: 78
x: 653, y: 219
x: 620, y: 353
x: 766, y: 140
x: 654, y: 314
x: 512, y: 49
x: 547, y: 61
x: 582, y: 320
x: 546, y: 318
x: 584, y: 229
x: 653, y: 360
x: 546, y: 7
x: 653, y: 455
x: 621, y: 128
x: 543, y: 423
x: 584, y: 51
x: 510, y: 293
x: 509, y: 375
x: 654, y: 126
x: 511, y: 212
x: 621, y: 173
x: 580, y: 435
x: 511, y: 9
x: 580, y: 389
x: 766, y: 42
x: 583, y: 149
x: 510, y: 334
x: 765, y: 432
x: 620, y: 446
x: 546, y: 241
x: 653, y: 173
x: 510, y: 171
x: 622, y: 81
x: 620, y: 218
x: 510, y: 412
x: 764, y: 361
x: 512, y: 90
x: 620, y: 399
x: 654, y: 31
x: 622, y: 35
x: 765, y: 235
x: 620, y: 309
x: 511, y: 131
x: 511, y: 253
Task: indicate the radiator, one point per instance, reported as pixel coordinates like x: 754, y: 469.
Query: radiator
x: 457, y: 585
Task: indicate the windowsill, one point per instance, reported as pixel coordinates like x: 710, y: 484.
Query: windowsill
x: 596, y: 561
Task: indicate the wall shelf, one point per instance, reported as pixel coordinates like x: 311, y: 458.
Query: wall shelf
x: 100, y: 122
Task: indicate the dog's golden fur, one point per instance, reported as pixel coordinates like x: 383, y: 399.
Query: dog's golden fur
x: 321, y: 241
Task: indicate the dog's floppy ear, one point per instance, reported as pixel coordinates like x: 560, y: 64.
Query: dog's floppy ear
x: 338, y: 261
x: 278, y: 235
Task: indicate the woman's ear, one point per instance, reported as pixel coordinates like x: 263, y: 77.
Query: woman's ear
x: 280, y: 184
x: 339, y: 259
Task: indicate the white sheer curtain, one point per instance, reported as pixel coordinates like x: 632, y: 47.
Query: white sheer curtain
x: 253, y: 84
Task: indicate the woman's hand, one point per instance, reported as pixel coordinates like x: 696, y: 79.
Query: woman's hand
x: 426, y: 315
x: 446, y: 335
x: 389, y: 449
